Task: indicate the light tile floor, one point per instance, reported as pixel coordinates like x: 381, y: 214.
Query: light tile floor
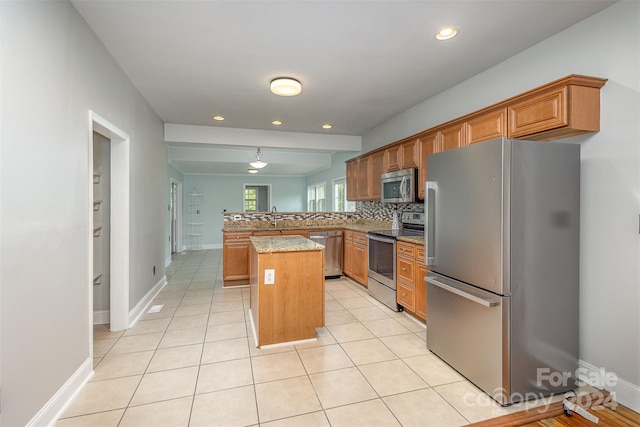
x: 194, y: 364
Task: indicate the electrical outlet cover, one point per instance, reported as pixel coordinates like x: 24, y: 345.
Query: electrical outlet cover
x: 237, y: 217
x: 269, y: 276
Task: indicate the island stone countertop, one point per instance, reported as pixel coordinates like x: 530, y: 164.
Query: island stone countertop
x: 268, y: 244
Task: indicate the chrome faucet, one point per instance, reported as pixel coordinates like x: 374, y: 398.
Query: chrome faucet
x: 274, y: 214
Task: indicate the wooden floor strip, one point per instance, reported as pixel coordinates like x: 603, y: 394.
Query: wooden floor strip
x: 599, y: 404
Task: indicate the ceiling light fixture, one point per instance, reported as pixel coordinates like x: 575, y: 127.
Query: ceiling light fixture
x: 258, y: 164
x: 252, y: 170
x: 276, y: 122
x: 285, y: 86
x: 446, y: 33
x: 327, y: 126
x: 218, y: 118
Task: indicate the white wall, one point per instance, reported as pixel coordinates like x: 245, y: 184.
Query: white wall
x: 54, y: 70
x: 604, y: 45
x: 338, y: 169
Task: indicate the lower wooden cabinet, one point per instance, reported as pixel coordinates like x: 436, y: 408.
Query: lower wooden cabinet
x: 235, y: 258
x: 356, y: 256
x: 411, y: 286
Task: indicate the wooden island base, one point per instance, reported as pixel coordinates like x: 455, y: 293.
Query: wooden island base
x: 292, y: 307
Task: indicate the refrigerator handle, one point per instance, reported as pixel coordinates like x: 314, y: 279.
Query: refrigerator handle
x: 482, y: 301
x: 430, y: 188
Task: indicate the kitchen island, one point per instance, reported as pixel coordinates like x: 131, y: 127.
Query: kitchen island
x: 286, y: 278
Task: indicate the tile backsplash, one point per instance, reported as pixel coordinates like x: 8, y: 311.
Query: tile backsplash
x: 364, y: 211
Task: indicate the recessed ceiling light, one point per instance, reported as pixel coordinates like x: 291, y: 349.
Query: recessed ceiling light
x: 446, y: 33
x: 285, y: 86
x: 327, y: 126
x: 218, y: 118
x: 252, y: 170
x: 276, y: 122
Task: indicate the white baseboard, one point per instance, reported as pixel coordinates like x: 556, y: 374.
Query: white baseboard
x: 56, y: 406
x: 142, y: 305
x: 101, y: 317
x: 212, y: 246
x: 624, y: 392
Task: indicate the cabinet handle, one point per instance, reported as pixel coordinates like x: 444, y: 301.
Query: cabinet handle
x: 404, y: 268
x: 404, y: 294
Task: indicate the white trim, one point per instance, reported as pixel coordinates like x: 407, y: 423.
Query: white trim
x: 623, y: 392
x: 55, y: 407
x: 119, y: 222
x: 101, y: 317
x: 178, y: 209
x: 141, y: 307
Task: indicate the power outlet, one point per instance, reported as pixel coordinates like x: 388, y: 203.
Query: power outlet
x: 269, y: 276
x: 237, y: 217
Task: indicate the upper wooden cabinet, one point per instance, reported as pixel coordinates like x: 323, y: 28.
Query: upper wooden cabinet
x: 570, y: 107
x: 492, y: 124
x: 352, y: 180
x: 392, y: 158
x: 410, y: 154
x: 565, y: 107
x: 428, y: 145
x: 376, y: 162
x: 453, y: 136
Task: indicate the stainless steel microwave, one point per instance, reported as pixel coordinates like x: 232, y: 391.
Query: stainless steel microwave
x: 399, y: 186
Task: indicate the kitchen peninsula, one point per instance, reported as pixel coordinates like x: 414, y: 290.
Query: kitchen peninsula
x: 286, y: 288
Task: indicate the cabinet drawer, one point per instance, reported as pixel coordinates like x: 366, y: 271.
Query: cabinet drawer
x: 405, y: 268
x: 406, y: 295
x: 348, y: 235
x: 406, y: 249
x: 360, y: 238
x: 420, y: 254
x: 233, y: 236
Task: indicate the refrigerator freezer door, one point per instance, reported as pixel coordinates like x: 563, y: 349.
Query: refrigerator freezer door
x: 470, y: 225
x: 468, y: 328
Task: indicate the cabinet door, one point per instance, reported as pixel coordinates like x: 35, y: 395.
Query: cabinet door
x: 392, y: 158
x: 360, y: 264
x: 235, y: 258
x: 363, y: 178
x: 487, y: 126
x: 421, y: 290
x: 376, y: 161
x: 352, y: 180
x: 347, y: 265
x: 453, y: 137
x: 537, y: 114
x: 410, y: 154
x: 428, y: 145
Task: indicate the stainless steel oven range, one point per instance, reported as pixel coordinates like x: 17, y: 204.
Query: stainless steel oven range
x: 382, y: 258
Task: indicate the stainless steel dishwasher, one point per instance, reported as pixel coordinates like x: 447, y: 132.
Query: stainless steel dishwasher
x: 332, y: 241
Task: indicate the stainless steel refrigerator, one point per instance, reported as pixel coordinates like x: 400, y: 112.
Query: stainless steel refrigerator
x: 502, y: 243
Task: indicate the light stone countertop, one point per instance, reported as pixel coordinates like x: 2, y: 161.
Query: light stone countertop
x: 269, y: 244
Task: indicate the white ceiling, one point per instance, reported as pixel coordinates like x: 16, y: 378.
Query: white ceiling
x: 360, y: 62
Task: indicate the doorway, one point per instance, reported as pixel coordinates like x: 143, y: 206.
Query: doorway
x: 118, y: 222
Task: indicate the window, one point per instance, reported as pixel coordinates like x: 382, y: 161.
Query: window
x: 340, y: 202
x: 316, y: 198
x: 256, y: 198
